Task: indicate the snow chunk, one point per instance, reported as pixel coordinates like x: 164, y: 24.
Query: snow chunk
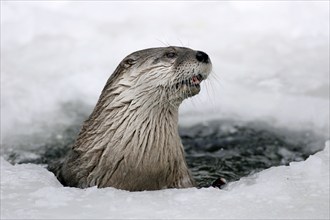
x: 300, y: 191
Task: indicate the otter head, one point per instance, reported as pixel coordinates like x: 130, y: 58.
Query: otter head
x: 171, y: 73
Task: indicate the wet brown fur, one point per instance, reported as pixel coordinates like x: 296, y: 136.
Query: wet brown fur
x: 131, y: 140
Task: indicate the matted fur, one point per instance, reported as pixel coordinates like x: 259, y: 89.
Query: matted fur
x: 131, y: 140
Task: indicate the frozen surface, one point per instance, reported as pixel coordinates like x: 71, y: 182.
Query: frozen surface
x: 270, y: 64
x: 270, y: 59
x: 299, y: 191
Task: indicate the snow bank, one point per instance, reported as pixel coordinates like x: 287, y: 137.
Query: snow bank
x: 299, y: 191
x: 270, y: 59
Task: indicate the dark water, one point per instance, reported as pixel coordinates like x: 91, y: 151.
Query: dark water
x: 232, y: 150
x: 228, y: 149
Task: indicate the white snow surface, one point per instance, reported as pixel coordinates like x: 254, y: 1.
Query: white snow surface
x: 270, y: 59
x: 270, y: 64
x: 298, y: 191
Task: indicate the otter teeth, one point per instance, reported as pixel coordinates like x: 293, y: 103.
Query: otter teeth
x: 196, y: 80
x: 193, y: 81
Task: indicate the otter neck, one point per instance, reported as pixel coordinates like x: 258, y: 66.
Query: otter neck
x: 140, y: 124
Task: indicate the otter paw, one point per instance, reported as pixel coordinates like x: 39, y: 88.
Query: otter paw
x: 219, y: 183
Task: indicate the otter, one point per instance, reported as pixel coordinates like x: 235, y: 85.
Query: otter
x: 131, y: 141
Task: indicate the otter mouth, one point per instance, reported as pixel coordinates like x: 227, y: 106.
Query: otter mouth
x: 190, y: 86
x: 195, y: 81
x: 192, y: 82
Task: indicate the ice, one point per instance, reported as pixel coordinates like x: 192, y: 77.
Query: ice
x: 270, y: 59
x: 298, y: 191
x: 270, y: 64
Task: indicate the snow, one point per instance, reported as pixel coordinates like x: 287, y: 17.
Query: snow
x: 298, y: 191
x: 270, y: 64
x: 270, y: 59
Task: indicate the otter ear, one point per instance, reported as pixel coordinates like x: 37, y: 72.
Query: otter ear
x: 129, y: 62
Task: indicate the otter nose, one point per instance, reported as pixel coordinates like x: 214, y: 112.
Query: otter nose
x: 202, y: 57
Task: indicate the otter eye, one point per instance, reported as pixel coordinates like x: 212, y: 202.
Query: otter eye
x: 129, y: 61
x: 170, y: 55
